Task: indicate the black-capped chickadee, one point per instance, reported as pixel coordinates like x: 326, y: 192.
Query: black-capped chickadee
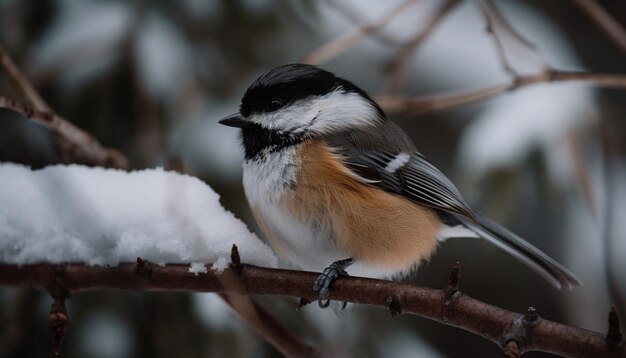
x: 331, y: 180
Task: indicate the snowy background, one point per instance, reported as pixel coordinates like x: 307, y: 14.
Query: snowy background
x: 153, y: 78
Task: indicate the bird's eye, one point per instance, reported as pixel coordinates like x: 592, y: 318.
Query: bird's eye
x: 274, y: 104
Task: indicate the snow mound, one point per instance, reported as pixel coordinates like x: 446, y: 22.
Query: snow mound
x: 104, y: 217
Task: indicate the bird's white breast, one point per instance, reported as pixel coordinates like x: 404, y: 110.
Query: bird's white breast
x: 266, y: 179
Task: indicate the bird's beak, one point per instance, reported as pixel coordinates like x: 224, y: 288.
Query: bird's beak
x: 235, y: 120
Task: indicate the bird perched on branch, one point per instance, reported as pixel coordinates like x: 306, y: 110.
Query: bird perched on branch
x: 333, y: 183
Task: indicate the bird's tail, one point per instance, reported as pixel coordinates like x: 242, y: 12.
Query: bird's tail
x: 547, y: 267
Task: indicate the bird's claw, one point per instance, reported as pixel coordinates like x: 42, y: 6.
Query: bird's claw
x: 322, y: 284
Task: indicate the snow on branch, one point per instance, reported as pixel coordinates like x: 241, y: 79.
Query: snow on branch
x: 104, y: 217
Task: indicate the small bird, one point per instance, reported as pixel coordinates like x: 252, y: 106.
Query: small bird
x: 331, y: 180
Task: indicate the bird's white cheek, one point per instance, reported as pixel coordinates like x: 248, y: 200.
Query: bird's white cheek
x: 339, y: 110
x: 293, y: 118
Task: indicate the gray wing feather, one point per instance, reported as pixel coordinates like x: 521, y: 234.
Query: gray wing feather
x: 368, y: 153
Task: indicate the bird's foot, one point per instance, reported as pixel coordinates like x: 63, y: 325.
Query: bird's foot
x: 322, y: 284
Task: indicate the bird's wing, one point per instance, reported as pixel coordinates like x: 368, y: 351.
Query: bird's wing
x: 411, y: 175
x: 386, y: 158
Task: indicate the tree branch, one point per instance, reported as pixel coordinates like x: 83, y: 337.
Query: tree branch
x: 605, y: 21
x: 272, y: 330
x: 340, y: 44
x: 20, y: 81
x: 75, y: 145
x: 397, y: 65
x: 529, y: 331
x: 357, y: 19
x: 260, y: 319
x: 427, y: 104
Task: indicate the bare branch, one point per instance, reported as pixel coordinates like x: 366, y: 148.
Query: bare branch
x: 77, y: 145
x: 427, y: 104
x: 503, y: 33
x: 488, y: 321
x: 396, y: 68
x: 342, y: 43
x: 490, y: 14
x: 605, y: 21
x: 272, y: 330
x: 20, y: 81
x: 356, y: 18
x: 258, y: 318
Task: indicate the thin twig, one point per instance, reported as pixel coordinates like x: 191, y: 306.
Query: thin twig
x: 20, y: 81
x: 489, y: 12
x: 75, y: 145
x: 397, y: 65
x: 427, y: 104
x: 356, y: 18
x: 342, y: 43
x: 499, y: 28
x: 272, y: 330
x: 78, y: 146
x: 488, y: 321
x: 605, y: 21
x: 258, y: 318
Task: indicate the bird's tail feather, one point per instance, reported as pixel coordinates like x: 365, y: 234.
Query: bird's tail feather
x: 514, y: 245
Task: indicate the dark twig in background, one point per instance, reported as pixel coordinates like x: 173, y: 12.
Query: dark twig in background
x: 270, y: 328
x: 605, y: 21
x: 427, y: 104
x: 75, y: 145
x: 356, y: 19
x: 342, y: 43
x: 21, y: 83
x: 504, y: 35
x: 493, y: 19
x: 258, y: 317
x: 490, y: 322
x: 396, y: 68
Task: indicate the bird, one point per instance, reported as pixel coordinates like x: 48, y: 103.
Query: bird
x: 333, y: 183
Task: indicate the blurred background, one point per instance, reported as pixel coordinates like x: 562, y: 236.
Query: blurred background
x: 152, y: 78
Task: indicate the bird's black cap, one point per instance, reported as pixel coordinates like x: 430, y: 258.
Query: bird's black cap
x: 289, y: 83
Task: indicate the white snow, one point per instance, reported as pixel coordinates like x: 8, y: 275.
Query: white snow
x: 221, y: 264
x: 104, y: 217
x: 197, y: 268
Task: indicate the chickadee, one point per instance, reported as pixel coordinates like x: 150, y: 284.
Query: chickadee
x: 331, y: 180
